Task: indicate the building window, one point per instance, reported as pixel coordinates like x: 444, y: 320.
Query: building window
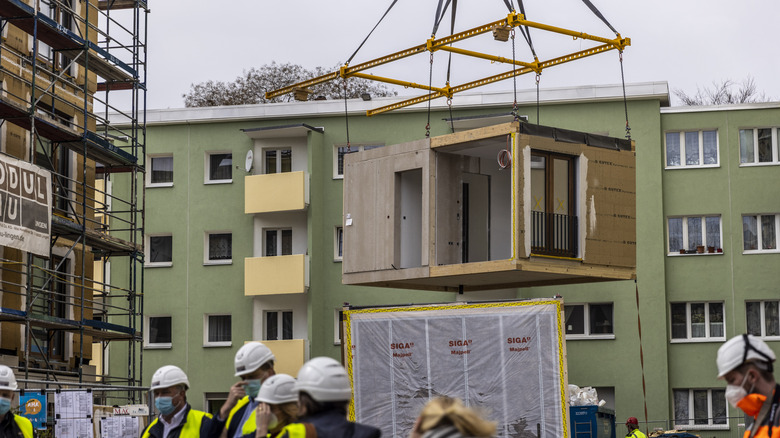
x: 277, y: 160
x: 589, y: 320
x: 692, y: 149
x: 220, y: 167
x: 759, y: 232
x: 553, y: 213
x: 705, y: 408
x: 340, y: 151
x: 278, y: 242
x: 758, y: 146
x: 161, y: 171
x: 338, y: 325
x: 762, y: 318
x: 697, y: 321
x: 158, y: 334
x: 278, y: 325
x: 219, y: 248
x: 688, y: 233
x: 159, y: 250
x: 338, y: 244
x: 217, y: 331
x: 214, y: 401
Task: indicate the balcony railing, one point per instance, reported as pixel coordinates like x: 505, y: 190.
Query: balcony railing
x: 276, y: 192
x: 553, y: 234
x: 276, y: 275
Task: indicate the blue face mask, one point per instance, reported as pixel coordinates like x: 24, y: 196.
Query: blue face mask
x: 5, y: 405
x: 252, y: 387
x: 164, y: 405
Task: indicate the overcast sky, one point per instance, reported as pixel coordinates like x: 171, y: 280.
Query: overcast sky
x: 688, y: 43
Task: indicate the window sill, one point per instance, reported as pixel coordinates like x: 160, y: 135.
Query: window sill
x: 158, y: 265
x: 773, y: 163
x: 589, y: 337
x: 157, y: 346
x: 701, y: 427
x: 702, y: 166
x: 158, y: 185
x: 338, y: 176
x: 217, y: 262
x: 677, y: 254
x: 696, y: 340
x: 761, y: 251
x: 338, y: 260
x: 218, y: 181
x: 217, y: 344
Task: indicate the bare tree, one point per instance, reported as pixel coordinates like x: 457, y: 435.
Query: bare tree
x: 250, y: 88
x: 723, y: 93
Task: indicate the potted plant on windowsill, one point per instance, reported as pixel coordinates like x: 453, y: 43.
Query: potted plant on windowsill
x: 711, y: 249
x: 700, y: 249
x: 682, y: 251
x: 720, y: 250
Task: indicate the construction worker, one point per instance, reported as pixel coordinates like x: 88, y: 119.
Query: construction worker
x: 745, y: 363
x: 324, y: 393
x: 254, y: 363
x: 278, y: 405
x: 177, y: 419
x: 632, y: 424
x: 11, y: 425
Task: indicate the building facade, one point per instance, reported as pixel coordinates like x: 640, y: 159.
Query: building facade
x: 244, y: 240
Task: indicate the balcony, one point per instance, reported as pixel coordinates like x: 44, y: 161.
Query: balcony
x: 276, y: 192
x: 290, y: 355
x: 287, y: 274
x: 553, y: 234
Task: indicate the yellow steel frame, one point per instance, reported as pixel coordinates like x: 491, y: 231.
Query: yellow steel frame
x: 432, y: 44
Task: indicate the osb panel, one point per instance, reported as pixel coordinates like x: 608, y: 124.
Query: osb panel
x: 473, y: 134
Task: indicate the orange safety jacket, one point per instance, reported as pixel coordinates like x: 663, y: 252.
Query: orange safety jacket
x: 770, y: 426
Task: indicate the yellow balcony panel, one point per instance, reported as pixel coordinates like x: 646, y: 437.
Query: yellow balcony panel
x: 290, y: 355
x: 275, y: 275
x: 276, y: 192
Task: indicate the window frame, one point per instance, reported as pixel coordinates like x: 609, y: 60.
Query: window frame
x: 149, y: 166
x: 338, y: 318
x: 689, y: 252
x: 586, y: 335
x: 683, y: 164
x: 279, y: 323
x: 689, y: 324
x: 690, y: 425
x: 359, y: 147
x: 762, y: 316
x: 279, y: 241
x: 775, y: 147
x: 277, y: 151
x: 338, y: 243
x: 148, y: 345
x: 147, y: 251
x: 207, y: 324
x: 207, y: 179
x: 206, y: 249
x: 759, y: 237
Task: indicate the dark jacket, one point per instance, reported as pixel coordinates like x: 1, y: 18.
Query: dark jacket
x: 334, y: 424
x: 191, y: 416
x: 9, y: 426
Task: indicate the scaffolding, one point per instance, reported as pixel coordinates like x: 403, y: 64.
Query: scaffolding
x: 60, y: 62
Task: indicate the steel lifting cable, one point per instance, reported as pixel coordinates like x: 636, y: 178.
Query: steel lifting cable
x: 346, y: 113
x: 514, y: 77
x: 372, y: 31
x: 641, y: 353
x: 625, y: 99
x: 449, y: 63
x: 440, y: 11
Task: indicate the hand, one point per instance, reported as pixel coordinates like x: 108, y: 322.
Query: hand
x: 415, y: 433
x: 262, y: 418
x: 236, y: 393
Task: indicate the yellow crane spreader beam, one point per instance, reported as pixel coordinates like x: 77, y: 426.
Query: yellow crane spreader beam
x: 449, y: 91
x: 432, y: 44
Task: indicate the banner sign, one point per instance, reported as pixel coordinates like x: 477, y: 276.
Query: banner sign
x: 505, y: 359
x: 32, y: 405
x: 25, y: 206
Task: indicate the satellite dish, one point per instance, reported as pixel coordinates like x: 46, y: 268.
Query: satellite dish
x: 249, y: 160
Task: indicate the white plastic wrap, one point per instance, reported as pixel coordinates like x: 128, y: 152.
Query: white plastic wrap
x: 503, y: 358
x: 584, y: 396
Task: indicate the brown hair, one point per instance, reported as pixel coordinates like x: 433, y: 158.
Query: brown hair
x: 288, y: 414
x: 445, y: 411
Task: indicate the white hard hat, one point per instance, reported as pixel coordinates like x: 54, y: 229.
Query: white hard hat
x: 252, y: 356
x: 325, y: 380
x: 7, y: 379
x: 740, y: 349
x: 167, y: 376
x: 278, y: 389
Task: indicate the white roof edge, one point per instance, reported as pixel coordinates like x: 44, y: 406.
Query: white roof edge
x: 323, y: 108
x: 730, y: 107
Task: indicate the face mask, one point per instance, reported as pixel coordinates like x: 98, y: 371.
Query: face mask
x: 5, y: 405
x: 252, y: 387
x: 164, y: 405
x: 273, y: 422
x: 740, y: 398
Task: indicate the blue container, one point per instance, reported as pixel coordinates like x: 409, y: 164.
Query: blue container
x: 592, y: 422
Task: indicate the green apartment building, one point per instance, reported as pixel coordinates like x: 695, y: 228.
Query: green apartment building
x: 243, y: 240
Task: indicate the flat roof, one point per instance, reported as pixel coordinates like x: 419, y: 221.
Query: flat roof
x: 325, y: 108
